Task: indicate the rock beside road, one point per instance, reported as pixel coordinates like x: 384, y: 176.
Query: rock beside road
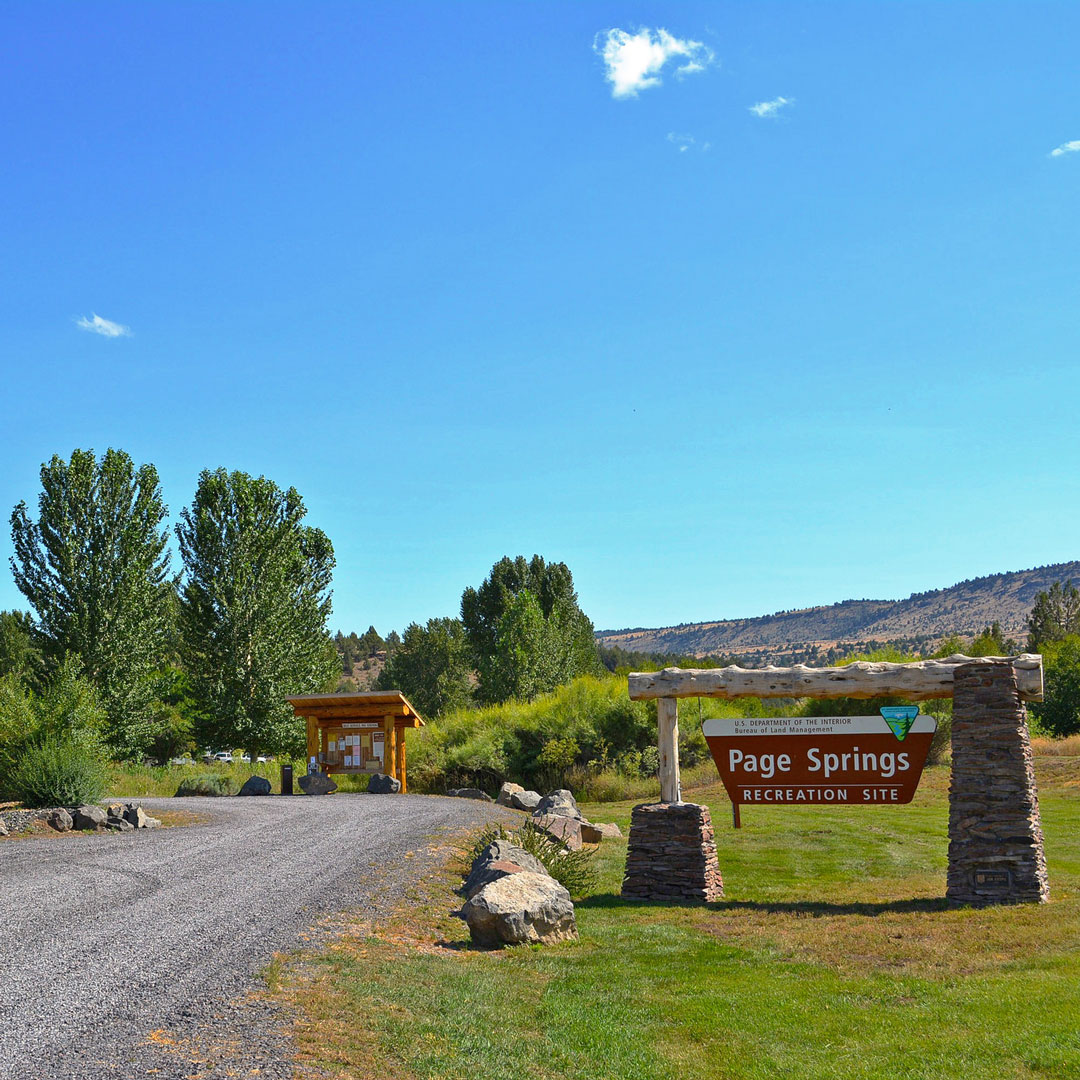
x: 255, y: 785
x: 469, y: 793
x: 525, y: 800
x: 60, y: 820
x: 521, y: 908
x: 566, y: 829
x: 317, y: 784
x: 89, y: 817
x: 506, y: 792
x: 498, y: 859
x: 381, y: 784
x: 559, y: 803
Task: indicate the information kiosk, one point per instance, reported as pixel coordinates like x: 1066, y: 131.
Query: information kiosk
x: 358, y: 733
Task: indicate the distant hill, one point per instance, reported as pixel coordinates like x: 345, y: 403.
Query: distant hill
x: 917, y: 623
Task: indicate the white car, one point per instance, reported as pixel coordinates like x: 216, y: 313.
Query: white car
x: 223, y: 755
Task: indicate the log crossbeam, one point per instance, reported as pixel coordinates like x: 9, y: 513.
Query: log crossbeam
x: 920, y: 680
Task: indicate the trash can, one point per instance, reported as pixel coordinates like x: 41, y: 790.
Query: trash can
x: 286, y: 779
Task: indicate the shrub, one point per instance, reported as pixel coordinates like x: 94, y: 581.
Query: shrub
x: 56, y: 770
x: 207, y: 784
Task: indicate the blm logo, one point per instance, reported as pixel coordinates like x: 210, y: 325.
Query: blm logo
x: 900, y: 718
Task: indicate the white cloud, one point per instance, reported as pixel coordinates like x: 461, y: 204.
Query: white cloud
x: 1066, y: 148
x: 634, y: 61
x: 104, y: 327
x: 768, y: 110
x: 682, y: 143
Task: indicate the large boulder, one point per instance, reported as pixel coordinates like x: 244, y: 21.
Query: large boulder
x: 520, y: 909
x: 115, y: 824
x: 608, y: 830
x: 506, y: 792
x: 89, y: 817
x: 317, y: 783
x: 381, y: 784
x: 525, y: 800
x: 255, y: 785
x: 469, y: 793
x: 590, y: 834
x: 60, y: 820
x: 494, y: 862
x: 566, y: 829
x: 559, y: 803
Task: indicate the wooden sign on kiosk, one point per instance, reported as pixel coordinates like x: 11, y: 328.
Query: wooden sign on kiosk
x: 358, y: 733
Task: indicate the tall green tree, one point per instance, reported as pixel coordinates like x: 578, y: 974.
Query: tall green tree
x: 253, y: 610
x: 19, y: 651
x: 515, y: 655
x: 95, y: 568
x: 431, y: 667
x: 1054, y: 615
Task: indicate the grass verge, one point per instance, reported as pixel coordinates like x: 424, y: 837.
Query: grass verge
x: 832, y: 956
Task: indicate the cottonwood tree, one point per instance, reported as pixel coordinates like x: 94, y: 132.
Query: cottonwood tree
x: 253, y: 610
x: 95, y: 568
x: 526, y: 630
x: 431, y: 667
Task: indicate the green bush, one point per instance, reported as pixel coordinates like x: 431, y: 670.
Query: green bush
x: 207, y: 784
x: 57, y: 770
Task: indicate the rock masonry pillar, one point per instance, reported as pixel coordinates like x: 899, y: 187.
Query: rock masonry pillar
x: 995, y: 832
x: 672, y: 854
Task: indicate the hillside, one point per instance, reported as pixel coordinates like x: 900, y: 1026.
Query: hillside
x: 918, y: 622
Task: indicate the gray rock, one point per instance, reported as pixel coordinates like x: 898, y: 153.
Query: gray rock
x: 135, y: 815
x: 469, y: 793
x: 255, y: 785
x: 499, y: 854
x: 116, y: 809
x: 609, y: 830
x: 525, y: 800
x: 89, y: 817
x: 3, y: 829
x: 381, y: 784
x: 60, y: 820
x: 506, y: 792
x: 566, y: 829
x: 152, y: 823
x: 317, y: 784
x: 559, y: 803
x: 520, y: 909
x: 119, y: 825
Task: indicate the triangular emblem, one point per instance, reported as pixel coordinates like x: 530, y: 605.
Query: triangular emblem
x: 900, y: 718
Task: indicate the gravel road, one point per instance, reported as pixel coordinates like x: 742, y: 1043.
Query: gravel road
x: 107, y: 938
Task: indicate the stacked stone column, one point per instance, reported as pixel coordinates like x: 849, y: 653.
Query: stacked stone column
x: 995, y: 831
x: 672, y: 854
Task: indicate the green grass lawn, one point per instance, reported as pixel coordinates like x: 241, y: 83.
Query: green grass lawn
x: 833, y: 955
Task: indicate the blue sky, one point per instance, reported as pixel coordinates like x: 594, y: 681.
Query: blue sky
x: 489, y: 279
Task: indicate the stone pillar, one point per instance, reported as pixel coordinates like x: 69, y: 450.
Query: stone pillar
x: 995, y: 832
x: 672, y: 854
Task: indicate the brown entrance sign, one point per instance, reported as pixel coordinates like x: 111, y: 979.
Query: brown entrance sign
x: 995, y: 835
x: 804, y: 760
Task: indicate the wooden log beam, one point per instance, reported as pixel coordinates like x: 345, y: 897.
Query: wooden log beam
x: 667, y: 716
x: 917, y: 681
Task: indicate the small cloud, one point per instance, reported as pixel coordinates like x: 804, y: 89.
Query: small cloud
x: 682, y: 143
x: 105, y: 327
x: 634, y: 61
x: 1066, y: 148
x: 769, y: 110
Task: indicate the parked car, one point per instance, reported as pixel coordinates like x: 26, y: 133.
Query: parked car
x: 182, y: 760
x: 223, y: 755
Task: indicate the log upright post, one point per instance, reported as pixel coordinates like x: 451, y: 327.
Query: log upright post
x: 389, y: 748
x: 667, y: 722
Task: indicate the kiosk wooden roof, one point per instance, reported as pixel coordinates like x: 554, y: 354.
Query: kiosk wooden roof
x: 386, y: 712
